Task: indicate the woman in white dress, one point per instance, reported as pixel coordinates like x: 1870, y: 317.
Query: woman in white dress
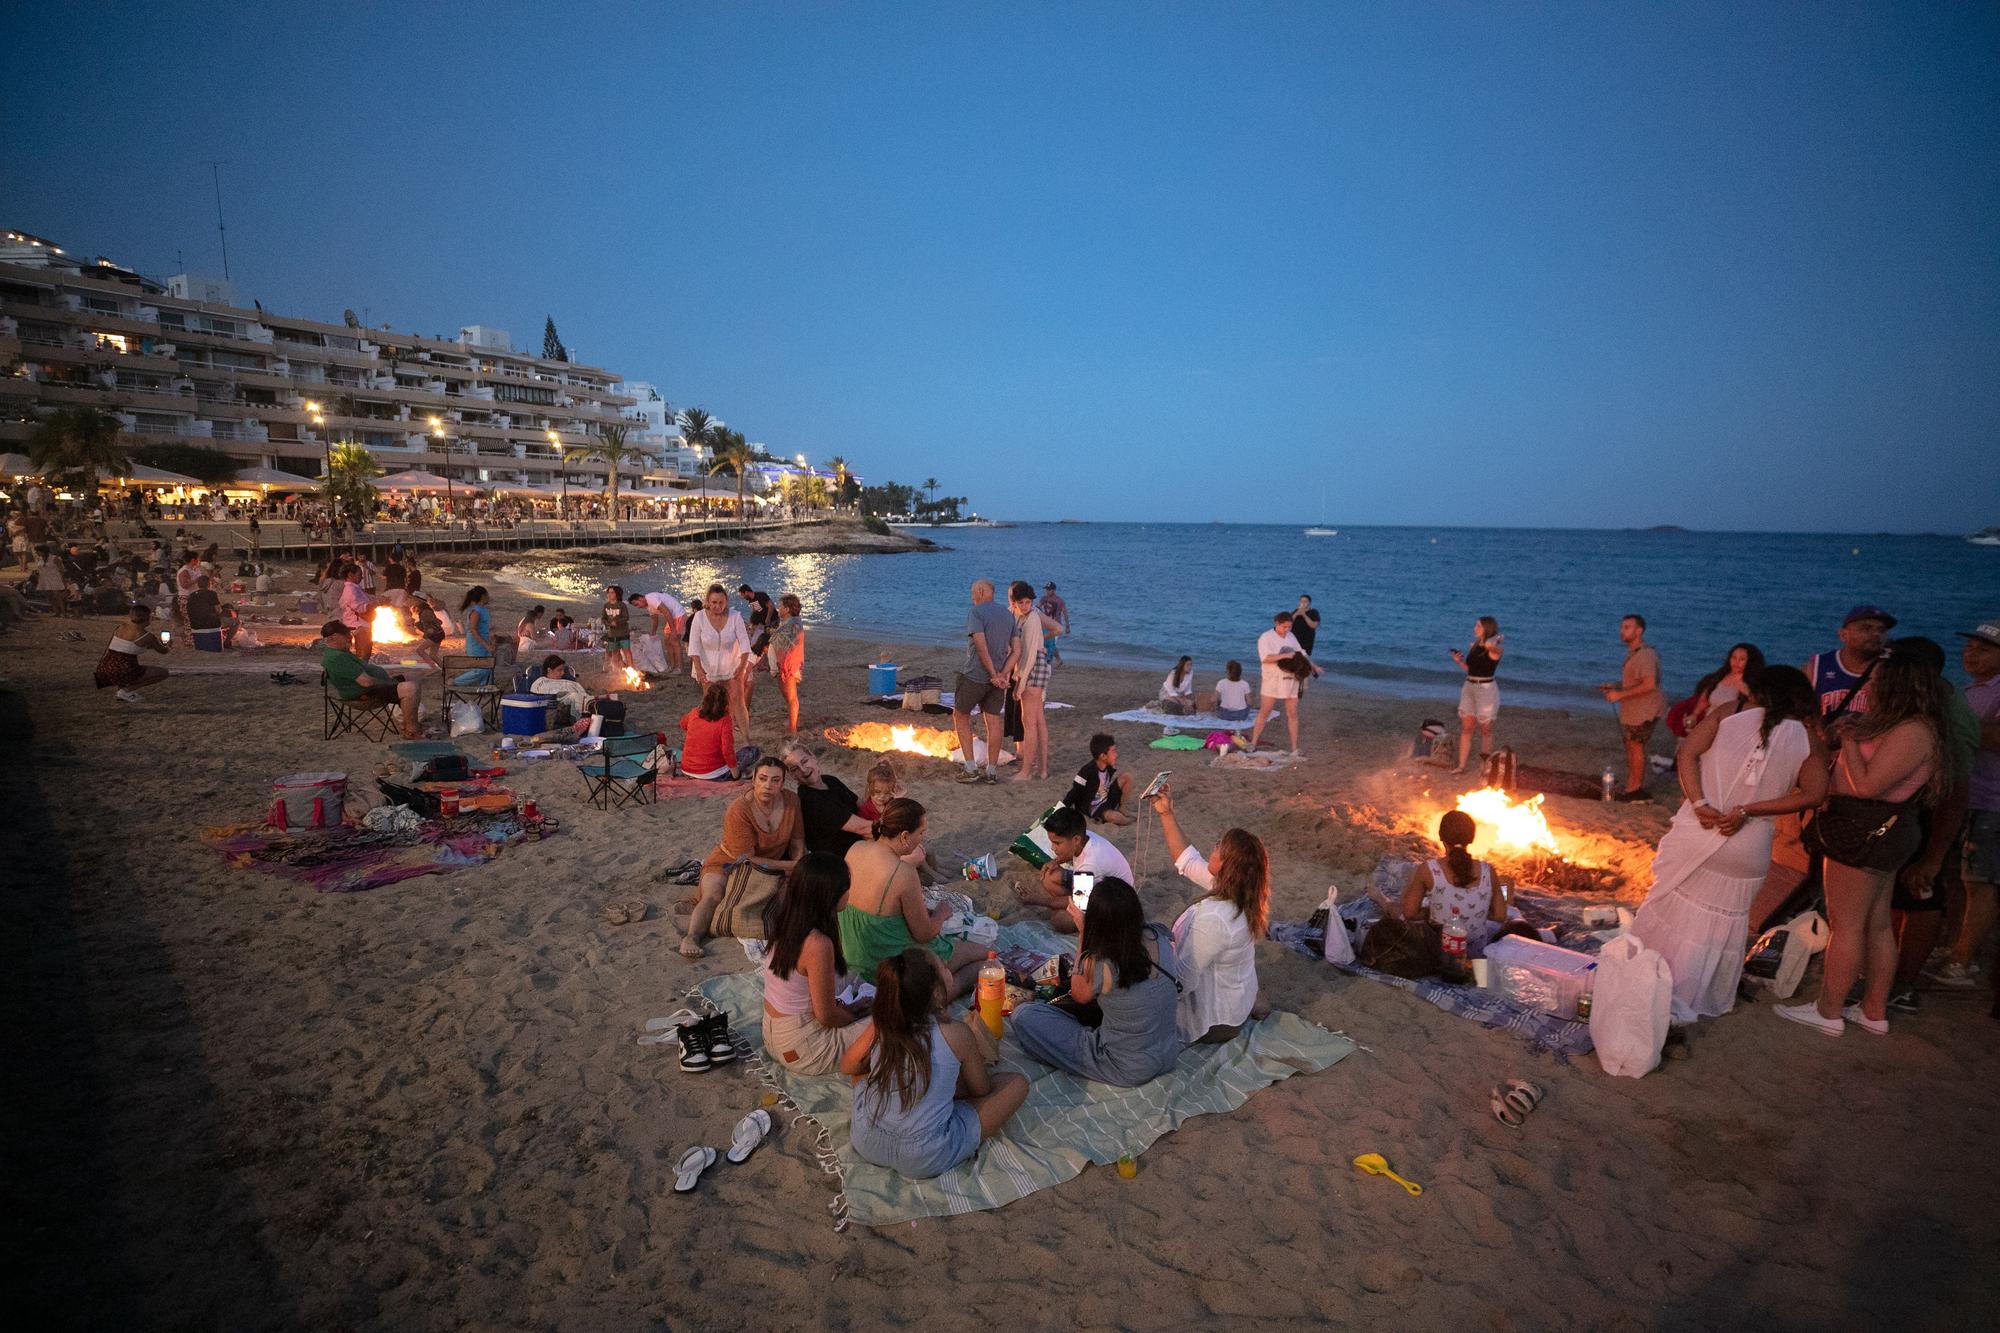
x: 1280, y: 655
x: 1745, y: 763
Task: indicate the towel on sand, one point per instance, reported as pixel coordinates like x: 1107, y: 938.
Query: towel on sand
x: 1191, y: 722
x: 1067, y: 1123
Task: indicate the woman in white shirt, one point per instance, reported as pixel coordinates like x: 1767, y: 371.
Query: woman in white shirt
x: 1275, y: 649
x: 719, y: 651
x: 1215, y: 940
x: 1177, y: 690
x: 1232, y: 694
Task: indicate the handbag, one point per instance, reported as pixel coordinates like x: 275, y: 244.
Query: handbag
x: 1407, y: 949
x: 746, y: 891
x: 1854, y: 830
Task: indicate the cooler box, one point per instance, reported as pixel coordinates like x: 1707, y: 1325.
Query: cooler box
x: 208, y: 640
x: 881, y: 679
x: 298, y: 791
x: 1541, y: 976
x: 525, y: 714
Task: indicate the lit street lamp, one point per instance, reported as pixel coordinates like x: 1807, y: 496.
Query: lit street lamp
x: 437, y: 431
x: 555, y: 442
x: 326, y: 453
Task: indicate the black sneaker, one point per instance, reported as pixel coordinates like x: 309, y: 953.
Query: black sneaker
x: 714, y: 1034
x: 1905, y: 1001
x: 1634, y: 795
x: 693, y: 1038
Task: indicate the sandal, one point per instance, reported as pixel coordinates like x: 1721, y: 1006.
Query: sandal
x: 750, y: 1132
x: 688, y: 1170
x: 1513, y: 1100
x: 626, y: 911
x: 662, y: 1030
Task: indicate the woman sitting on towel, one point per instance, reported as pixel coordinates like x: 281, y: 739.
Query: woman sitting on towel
x: 885, y: 914
x: 763, y: 826
x: 1215, y: 940
x: 924, y: 1099
x: 1117, y: 1024
x: 805, y: 1027
x: 1177, y: 690
x: 709, y: 750
x: 1232, y: 694
x: 1456, y: 889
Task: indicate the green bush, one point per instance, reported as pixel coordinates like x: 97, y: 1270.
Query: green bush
x: 876, y: 526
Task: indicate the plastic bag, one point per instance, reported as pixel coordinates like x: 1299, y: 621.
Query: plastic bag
x: 1339, y: 945
x: 247, y: 638
x: 1778, y: 959
x: 1629, y: 1007
x: 465, y: 718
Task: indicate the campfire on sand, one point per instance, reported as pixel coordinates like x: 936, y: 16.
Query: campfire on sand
x: 386, y: 627
x: 932, y: 742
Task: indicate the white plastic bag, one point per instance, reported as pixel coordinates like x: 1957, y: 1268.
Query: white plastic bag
x: 648, y: 657
x: 1339, y: 946
x: 465, y: 719
x: 1629, y: 1007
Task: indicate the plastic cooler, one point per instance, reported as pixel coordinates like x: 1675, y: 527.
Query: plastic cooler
x: 525, y: 714
x: 207, y: 640
x: 881, y: 678
x: 298, y: 792
x: 1541, y: 976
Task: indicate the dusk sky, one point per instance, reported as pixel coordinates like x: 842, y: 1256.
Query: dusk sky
x: 1568, y: 265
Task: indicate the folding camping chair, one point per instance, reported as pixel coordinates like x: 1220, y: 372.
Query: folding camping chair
x: 621, y: 772
x: 369, y: 717
x: 486, y: 696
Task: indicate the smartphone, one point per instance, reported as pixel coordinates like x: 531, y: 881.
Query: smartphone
x: 1081, y: 883
x: 1153, y: 787
x: 167, y: 638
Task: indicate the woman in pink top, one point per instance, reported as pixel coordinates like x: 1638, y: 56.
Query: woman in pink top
x: 1887, y: 763
x: 805, y: 1027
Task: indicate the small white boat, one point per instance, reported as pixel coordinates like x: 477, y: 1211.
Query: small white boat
x: 1322, y: 532
x: 1989, y: 537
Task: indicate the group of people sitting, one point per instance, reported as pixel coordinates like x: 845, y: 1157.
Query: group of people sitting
x: 851, y: 908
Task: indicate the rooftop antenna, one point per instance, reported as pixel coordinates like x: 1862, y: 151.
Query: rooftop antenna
x: 215, y: 171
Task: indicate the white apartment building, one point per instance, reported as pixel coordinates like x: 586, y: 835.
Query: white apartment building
x: 649, y: 410
x: 172, y: 367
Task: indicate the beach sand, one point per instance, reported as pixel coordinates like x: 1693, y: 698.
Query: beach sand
x: 239, y: 1103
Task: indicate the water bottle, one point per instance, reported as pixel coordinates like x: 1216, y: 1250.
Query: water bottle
x: 1610, y: 782
x: 992, y: 991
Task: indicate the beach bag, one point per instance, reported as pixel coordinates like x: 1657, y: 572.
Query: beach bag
x: 1431, y: 740
x: 1500, y: 768
x: 1629, y: 1007
x: 1012, y: 725
x: 1399, y: 948
x: 1854, y: 830
x: 747, y: 890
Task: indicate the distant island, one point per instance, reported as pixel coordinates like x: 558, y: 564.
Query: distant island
x: 1666, y: 527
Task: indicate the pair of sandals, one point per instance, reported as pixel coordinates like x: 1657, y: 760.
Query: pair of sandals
x: 750, y: 1131
x: 687, y: 872
x: 626, y: 911
x: 1513, y: 1100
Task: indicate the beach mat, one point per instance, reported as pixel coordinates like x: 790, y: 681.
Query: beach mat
x: 1190, y: 722
x: 1544, y: 1032
x: 1067, y: 1123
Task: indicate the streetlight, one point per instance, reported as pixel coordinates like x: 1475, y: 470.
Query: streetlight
x: 326, y: 452
x: 555, y: 442
x: 437, y: 430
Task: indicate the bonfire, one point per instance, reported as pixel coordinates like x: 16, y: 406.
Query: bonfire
x: 386, y: 627
x: 630, y: 679
x: 931, y: 742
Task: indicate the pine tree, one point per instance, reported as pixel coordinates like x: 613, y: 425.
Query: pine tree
x: 552, y: 346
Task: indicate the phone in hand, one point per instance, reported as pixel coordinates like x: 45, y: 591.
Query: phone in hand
x: 1153, y: 787
x: 166, y: 638
x: 1081, y: 884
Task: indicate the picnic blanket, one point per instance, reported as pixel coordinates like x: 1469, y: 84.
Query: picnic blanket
x: 1067, y: 1123
x: 347, y: 859
x: 1190, y: 722
x: 1544, y: 1032
x: 1260, y: 761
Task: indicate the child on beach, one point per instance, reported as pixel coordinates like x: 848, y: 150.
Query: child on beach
x: 1076, y: 849
x: 880, y: 787
x: 617, y: 629
x: 1099, y: 790
x: 788, y: 656
x: 422, y: 613
x: 924, y: 1099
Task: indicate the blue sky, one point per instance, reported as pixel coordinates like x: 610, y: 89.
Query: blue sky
x: 1727, y: 267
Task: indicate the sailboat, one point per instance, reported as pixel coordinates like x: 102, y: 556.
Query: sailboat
x: 1986, y: 537
x: 1322, y: 531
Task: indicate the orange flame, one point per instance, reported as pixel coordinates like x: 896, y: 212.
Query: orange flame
x: 931, y: 741
x: 386, y: 627
x: 1506, y: 823
x: 633, y: 680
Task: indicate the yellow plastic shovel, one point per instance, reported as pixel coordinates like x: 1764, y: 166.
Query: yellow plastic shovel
x: 1377, y: 1165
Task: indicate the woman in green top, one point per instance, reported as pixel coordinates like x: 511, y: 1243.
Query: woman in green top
x: 884, y: 914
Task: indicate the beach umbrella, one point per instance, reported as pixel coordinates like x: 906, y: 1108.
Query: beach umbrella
x: 138, y: 474
x: 18, y: 465
x: 415, y: 481
x: 271, y: 479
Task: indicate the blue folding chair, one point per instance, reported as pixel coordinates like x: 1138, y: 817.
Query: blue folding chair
x: 620, y: 773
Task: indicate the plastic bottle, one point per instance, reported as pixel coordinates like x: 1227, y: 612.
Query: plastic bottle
x: 1583, y: 1000
x: 1452, y: 946
x: 1610, y: 782
x: 992, y: 991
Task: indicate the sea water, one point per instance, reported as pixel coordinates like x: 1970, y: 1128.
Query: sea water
x: 1393, y: 602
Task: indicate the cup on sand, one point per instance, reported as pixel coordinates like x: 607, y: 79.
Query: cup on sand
x: 1479, y: 973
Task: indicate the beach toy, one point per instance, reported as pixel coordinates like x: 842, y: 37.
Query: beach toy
x: 1376, y: 1165
x: 881, y: 678
x: 525, y: 714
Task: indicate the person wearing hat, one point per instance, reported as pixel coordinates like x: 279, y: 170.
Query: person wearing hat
x: 1056, y: 610
x: 356, y: 680
x: 1979, y: 846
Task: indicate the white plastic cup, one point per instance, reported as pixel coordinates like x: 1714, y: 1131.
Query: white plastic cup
x: 1479, y: 973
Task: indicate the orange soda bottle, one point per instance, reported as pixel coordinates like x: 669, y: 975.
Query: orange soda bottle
x: 992, y: 991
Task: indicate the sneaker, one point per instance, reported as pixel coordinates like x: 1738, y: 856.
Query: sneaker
x: 133, y: 697
x: 714, y: 1033
x: 694, y: 1046
x: 1958, y: 976
x: 1879, y: 1026
x: 1809, y: 1015
x: 1905, y: 1002
x: 991, y: 776
x: 970, y: 776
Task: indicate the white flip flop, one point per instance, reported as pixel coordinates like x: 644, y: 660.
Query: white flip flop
x: 688, y: 1170
x: 750, y: 1132
x: 662, y: 1030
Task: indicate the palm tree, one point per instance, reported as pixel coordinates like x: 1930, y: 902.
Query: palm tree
x: 612, y: 446
x: 697, y: 430
x: 931, y: 485
x: 733, y: 452
x: 348, y: 490
x: 839, y: 466
x: 73, y: 445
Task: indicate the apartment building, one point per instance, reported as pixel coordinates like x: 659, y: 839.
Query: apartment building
x: 275, y: 390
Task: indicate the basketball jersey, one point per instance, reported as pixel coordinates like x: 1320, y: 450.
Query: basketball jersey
x: 1833, y: 682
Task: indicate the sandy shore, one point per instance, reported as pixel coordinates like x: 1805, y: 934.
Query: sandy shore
x: 238, y: 1103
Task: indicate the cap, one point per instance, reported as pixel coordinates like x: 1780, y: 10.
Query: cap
x: 1048, y: 587
x: 331, y: 628
x: 1869, y: 613
x: 1987, y: 633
